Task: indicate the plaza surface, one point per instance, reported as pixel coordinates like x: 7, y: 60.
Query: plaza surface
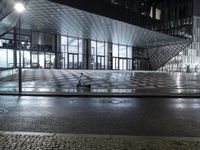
x: 103, y: 81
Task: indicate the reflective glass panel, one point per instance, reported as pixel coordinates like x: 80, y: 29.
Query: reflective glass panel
x: 115, y: 50
x: 72, y: 45
x: 3, y: 60
x: 122, y: 51
x: 100, y: 49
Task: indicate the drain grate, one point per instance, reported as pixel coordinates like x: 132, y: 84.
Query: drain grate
x: 3, y: 110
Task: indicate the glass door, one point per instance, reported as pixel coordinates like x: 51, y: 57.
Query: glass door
x: 41, y: 60
x: 115, y: 63
x: 35, y: 60
x: 100, y: 62
x: 72, y: 61
x: 122, y: 64
x: 26, y: 59
x: 48, y: 61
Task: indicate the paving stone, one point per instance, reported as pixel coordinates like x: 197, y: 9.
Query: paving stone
x: 47, y: 79
x: 44, y: 142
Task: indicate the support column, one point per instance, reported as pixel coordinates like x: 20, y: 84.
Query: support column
x: 110, y: 62
x: 133, y: 57
x: 20, y: 67
x: 87, y: 52
x: 15, y: 48
x: 58, y: 55
x: 31, y: 50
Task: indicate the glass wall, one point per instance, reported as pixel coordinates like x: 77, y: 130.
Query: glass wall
x: 99, y: 55
x: 122, y: 57
x: 189, y: 59
x: 39, y: 51
x: 6, y: 60
x: 34, y: 59
x: 72, y: 53
x: 140, y: 59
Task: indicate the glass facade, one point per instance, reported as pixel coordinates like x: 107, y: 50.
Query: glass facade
x: 99, y: 55
x: 34, y: 59
x: 186, y: 61
x: 72, y: 53
x: 39, y: 51
x: 141, y: 59
x: 173, y: 17
x: 122, y: 57
x: 6, y: 60
x: 40, y: 55
x: 48, y: 51
x: 189, y: 59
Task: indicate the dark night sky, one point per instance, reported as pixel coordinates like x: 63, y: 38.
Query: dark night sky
x: 196, y: 8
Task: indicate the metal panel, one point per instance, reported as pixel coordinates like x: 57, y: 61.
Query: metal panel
x: 46, y: 16
x: 161, y: 55
x: 56, y: 18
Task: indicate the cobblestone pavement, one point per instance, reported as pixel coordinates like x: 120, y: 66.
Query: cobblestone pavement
x: 61, y: 142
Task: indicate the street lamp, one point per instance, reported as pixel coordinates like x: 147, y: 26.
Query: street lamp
x: 20, y: 8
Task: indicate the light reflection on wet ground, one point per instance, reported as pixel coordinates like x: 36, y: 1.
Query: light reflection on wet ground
x: 118, y: 116
x: 45, y: 80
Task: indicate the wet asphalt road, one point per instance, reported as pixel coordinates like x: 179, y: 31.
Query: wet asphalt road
x: 116, y: 116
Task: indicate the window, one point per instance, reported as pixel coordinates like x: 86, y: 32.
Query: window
x: 72, y: 52
x: 72, y: 45
x: 115, y: 50
x: 99, y: 55
x: 122, y: 51
x: 122, y: 57
x: 6, y: 60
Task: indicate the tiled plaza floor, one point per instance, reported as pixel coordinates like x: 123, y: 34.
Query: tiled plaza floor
x: 45, y: 80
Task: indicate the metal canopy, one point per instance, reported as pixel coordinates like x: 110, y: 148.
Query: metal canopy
x: 8, y: 17
x: 159, y: 56
x: 47, y: 16
x: 5, y: 8
x: 8, y: 23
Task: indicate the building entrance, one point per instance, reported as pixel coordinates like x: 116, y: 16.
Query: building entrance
x: 72, y: 61
x: 122, y: 64
x: 100, y: 62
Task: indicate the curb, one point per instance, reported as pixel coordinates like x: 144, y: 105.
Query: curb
x: 99, y: 136
x: 89, y: 94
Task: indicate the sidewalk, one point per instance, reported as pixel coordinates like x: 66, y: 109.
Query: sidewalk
x: 47, y: 141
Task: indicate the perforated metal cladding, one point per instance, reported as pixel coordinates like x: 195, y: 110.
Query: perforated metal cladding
x: 43, y: 15
x: 55, y: 18
x: 5, y: 8
x: 161, y: 55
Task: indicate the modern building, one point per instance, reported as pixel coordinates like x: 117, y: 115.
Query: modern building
x: 101, y: 34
